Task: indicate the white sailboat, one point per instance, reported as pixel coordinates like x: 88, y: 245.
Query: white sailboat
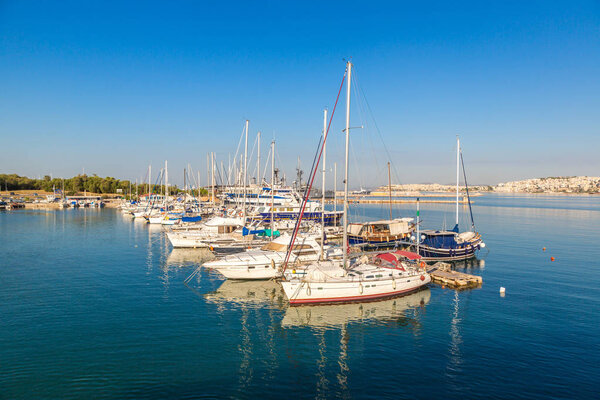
x: 331, y: 281
x: 266, y: 262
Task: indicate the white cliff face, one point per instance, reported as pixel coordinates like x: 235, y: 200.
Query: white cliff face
x: 572, y: 184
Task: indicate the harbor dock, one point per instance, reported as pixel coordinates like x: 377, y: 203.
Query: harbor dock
x: 442, y: 274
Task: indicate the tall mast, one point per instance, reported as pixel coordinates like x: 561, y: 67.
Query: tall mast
x: 349, y: 68
x: 166, y: 182
x: 272, y: 185
x: 323, y: 190
x: 207, y: 172
x: 149, y: 181
x: 212, y: 176
x: 390, y: 189
x: 245, y: 172
x: 335, y: 191
x: 457, y: 176
x: 418, y: 228
x: 258, y: 164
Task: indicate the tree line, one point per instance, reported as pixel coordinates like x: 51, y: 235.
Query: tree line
x: 80, y: 183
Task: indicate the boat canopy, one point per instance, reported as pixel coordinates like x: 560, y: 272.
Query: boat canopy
x: 191, y: 219
x: 394, y: 259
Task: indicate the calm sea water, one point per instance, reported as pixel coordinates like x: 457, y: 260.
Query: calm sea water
x: 94, y: 305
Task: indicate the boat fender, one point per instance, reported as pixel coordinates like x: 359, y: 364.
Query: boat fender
x: 422, y: 277
x: 394, y: 284
x: 360, y: 288
x: 308, y: 290
x: 273, y: 264
x: 211, y: 248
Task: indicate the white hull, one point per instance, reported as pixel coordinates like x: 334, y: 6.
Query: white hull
x: 250, y: 272
x: 345, y: 290
x: 179, y: 241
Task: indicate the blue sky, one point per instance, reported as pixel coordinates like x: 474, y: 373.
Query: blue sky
x: 110, y: 87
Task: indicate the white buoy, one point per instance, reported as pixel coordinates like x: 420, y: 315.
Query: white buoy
x: 502, y: 290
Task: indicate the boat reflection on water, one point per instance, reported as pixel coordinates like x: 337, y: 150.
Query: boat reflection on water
x: 249, y: 292
x: 472, y: 263
x: 187, y: 257
x: 339, y: 315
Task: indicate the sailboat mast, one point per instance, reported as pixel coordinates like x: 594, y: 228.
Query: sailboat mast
x: 149, y: 181
x: 212, y: 176
x: 457, y: 175
x: 245, y: 171
x: 418, y: 227
x: 345, y: 261
x: 258, y: 164
x: 166, y: 183
x: 323, y: 190
x: 390, y: 189
x: 272, y: 186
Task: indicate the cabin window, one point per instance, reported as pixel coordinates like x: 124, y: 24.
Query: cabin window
x: 381, y: 229
x: 226, y: 229
x: 369, y: 276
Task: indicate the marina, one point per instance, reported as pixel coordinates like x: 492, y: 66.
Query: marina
x: 299, y: 200
x: 127, y: 314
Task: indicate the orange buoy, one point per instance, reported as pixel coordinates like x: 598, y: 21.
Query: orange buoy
x: 544, y: 249
x: 551, y: 258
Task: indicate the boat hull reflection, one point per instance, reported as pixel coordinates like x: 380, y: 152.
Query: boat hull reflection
x: 186, y: 257
x: 248, y: 292
x: 341, y: 314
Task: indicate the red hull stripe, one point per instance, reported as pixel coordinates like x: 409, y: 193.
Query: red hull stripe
x: 353, y: 298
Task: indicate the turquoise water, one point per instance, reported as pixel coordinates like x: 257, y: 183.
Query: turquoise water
x: 94, y: 305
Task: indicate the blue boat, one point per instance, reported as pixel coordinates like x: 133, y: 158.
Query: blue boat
x: 449, y: 245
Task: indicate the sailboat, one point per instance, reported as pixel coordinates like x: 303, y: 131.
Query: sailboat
x: 452, y: 245
x: 266, y: 262
x: 363, y: 279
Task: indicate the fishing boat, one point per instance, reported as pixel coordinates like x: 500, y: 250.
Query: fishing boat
x: 363, y: 279
x: 383, y: 234
x: 380, y: 235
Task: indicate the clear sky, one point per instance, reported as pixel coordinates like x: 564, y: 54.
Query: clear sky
x: 110, y: 87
